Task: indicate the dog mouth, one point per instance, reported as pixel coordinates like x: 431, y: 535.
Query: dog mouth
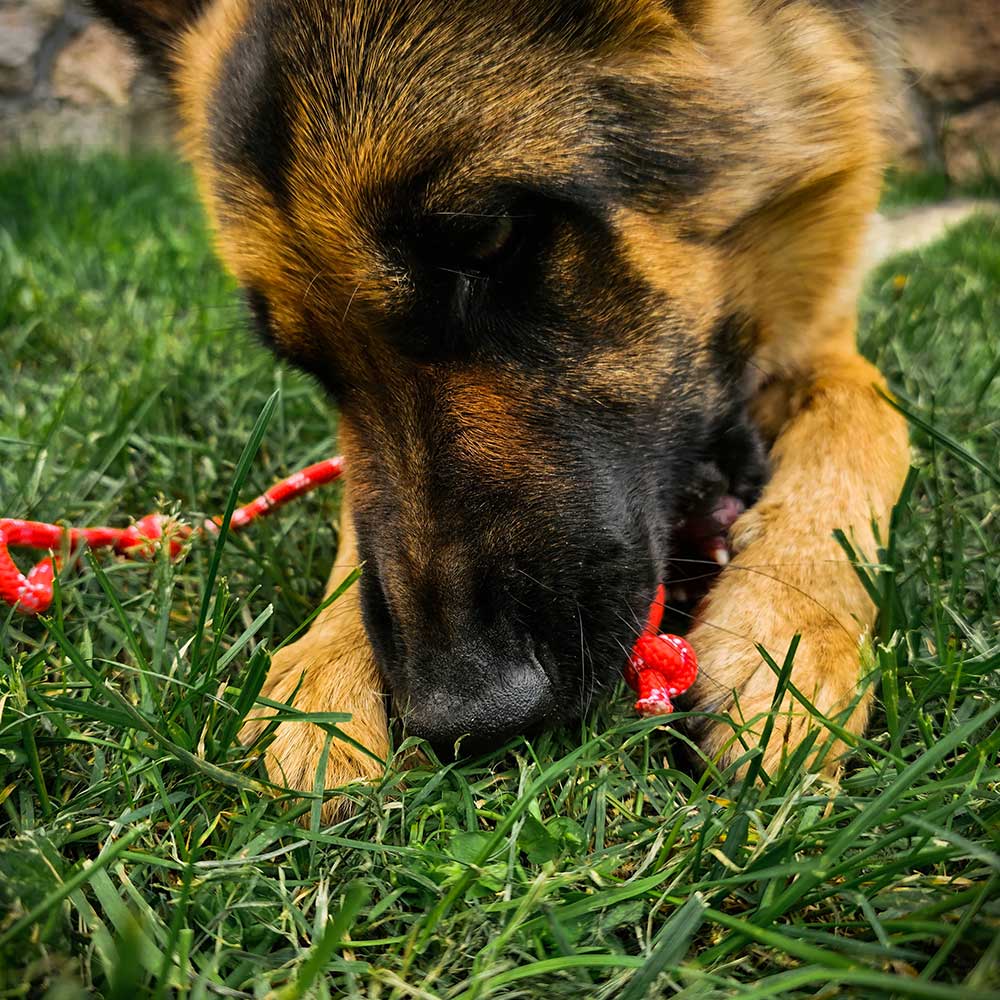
x: 700, y: 550
x: 480, y: 694
x: 534, y: 649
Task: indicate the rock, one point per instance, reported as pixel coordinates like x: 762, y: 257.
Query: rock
x: 953, y: 49
x: 51, y: 8
x: 96, y: 67
x: 951, y: 117
x: 972, y: 141
x: 913, y: 228
x: 913, y: 130
x: 67, y: 126
x: 22, y: 30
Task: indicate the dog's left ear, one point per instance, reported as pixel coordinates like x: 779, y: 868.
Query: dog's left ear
x: 153, y: 25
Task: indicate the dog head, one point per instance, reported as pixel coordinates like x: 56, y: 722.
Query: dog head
x: 491, y: 230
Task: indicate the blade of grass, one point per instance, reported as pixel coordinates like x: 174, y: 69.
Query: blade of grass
x: 74, y: 882
x: 355, y: 897
x: 242, y: 471
x: 944, y: 439
x: 672, y: 943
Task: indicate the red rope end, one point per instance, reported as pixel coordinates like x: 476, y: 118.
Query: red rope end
x: 661, y: 666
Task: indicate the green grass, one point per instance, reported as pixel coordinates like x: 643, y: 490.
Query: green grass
x: 142, y: 853
x: 906, y: 189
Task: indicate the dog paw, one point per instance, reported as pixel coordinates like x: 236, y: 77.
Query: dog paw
x: 316, y: 676
x: 748, y: 607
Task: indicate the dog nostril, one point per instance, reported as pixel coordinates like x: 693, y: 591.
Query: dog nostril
x: 519, y: 698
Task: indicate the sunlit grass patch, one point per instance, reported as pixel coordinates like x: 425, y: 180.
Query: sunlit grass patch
x: 143, y: 851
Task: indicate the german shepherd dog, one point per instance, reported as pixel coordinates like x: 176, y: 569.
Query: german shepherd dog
x: 572, y: 271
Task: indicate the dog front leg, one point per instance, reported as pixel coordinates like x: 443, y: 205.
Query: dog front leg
x: 334, y: 670
x: 839, y: 461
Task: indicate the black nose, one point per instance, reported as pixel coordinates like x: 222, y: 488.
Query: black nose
x: 515, y: 699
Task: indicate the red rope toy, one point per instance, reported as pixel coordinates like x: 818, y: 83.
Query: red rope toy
x: 661, y: 666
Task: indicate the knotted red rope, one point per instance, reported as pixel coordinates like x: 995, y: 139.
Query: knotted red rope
x: 660, y: 668
x: 31, y: 594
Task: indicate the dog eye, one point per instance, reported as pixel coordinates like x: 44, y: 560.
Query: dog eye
x: 492, y: 240
x: 501, y: 241
x: 483, y: 249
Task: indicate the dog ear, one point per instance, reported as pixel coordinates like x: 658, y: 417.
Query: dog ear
x: 153, y: 25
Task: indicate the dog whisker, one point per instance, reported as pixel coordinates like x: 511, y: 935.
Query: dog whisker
x: 470, y: 275
x: 315, y: 278
x: 795, y: 562
x: 479, y: 215
x: 537, y: 582
x: 350, y: 302
x: 791, y: 586
x: 636, y: 630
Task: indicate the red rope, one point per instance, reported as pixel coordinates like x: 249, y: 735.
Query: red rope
x: 31, y: 594
x: 660, y: 668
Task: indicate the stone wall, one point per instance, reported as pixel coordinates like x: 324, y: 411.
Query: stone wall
x: 951, y: 49
x: 65, y: 79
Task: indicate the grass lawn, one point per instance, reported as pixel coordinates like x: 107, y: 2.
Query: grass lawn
x: 141, y: 851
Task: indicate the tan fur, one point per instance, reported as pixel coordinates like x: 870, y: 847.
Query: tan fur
x: 840, y: 460
x: 333, y: 670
